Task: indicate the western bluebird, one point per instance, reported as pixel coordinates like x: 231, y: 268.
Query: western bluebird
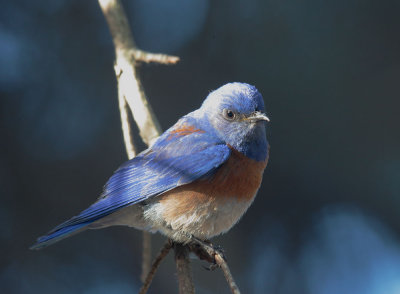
x: 196, y: 180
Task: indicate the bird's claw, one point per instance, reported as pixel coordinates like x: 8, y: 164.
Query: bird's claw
x: 211, y: 267
x: 205, y: 250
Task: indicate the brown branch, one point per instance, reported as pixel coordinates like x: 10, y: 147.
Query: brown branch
x: 206, y: 251
x: 143, y: 56
x: 126, y: 127
x: 148, y: 279
x: 128, y: 81
x: 130, y: 90
x: 220, y: 260
x: 183, y: 270
x: 146, y: 255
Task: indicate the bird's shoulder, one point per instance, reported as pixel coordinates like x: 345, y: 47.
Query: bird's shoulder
x: 190, y: 129
x: 182, y: 154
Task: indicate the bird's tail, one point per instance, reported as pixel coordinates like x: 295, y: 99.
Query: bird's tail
x: 58, y: 234
x: 77, y: 224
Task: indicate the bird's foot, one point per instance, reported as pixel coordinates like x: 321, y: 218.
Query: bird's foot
x: 205, y: 250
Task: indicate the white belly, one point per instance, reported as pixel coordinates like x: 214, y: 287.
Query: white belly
x: 204, y: 221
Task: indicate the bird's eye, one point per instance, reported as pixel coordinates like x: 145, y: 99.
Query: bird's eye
x: 228, y: 114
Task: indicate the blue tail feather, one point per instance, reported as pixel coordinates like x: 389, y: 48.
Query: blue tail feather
x: 58, y: 235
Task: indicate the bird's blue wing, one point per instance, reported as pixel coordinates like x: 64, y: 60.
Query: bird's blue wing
x: 180, y: 156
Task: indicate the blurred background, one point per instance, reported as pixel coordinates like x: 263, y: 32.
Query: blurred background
x: 326, y: 219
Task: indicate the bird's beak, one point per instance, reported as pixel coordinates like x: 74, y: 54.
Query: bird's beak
x: 257, y: 116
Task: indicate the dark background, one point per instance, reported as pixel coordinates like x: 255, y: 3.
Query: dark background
x: 326, y: 219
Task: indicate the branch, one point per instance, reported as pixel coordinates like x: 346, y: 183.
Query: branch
x: 130, y: 91
x: 126, y: 127
x: 129, y: 85
x: 183, y: 270
x: 163, y: 253
x: 207, y: 252
x: 146, y: 255
x: 220, y: 260
x: 148, y: 57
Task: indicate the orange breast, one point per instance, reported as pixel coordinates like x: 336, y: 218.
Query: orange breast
x: 238, y: 179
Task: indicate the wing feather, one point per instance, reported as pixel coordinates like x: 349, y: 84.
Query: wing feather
x: 174, y: 160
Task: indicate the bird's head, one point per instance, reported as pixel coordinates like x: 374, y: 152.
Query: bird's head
x: 236, y: 112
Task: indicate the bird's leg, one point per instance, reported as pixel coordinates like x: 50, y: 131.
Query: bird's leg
x: 206, y: 244
x: 205, y: 250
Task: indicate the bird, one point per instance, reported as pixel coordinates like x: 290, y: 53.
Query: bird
x: 196, y: 180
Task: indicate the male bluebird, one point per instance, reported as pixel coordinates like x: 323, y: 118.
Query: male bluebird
x: 196, y: 180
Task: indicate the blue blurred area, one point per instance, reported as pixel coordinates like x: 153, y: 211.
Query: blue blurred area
x: 326, y: 219
x: 351, y: 253
x: 57, y: 127
x: 343, y: 251
x: 82, y: 275
x: 167, y: 26
x: 10, y: 53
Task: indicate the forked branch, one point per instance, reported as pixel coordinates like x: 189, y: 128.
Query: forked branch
x: 149, y: 278
x: 130, y: 91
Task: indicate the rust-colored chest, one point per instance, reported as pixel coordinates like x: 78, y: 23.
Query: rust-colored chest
x: 239, y: 177
x: 207, y: 207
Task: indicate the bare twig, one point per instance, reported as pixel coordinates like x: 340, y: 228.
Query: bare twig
x: 148, y: 57
x: 163, y: 253
x: 207, y: 252
x: 131, y: 91
x: 220, y: 260
x: 183, y: 270
x: 131, y: 152
x: 146, y: 255
x: 128, y: 81
x: 126, y: 127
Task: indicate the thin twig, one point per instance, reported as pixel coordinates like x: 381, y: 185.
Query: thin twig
x: 220, y: 260
x: 207, y: 252
x: 146, y: 256
x: 143, y: 56
x: 183, y: 270
x: 128, y: 80
x: 148, y: 279
x: 131, y: 91
x: 126, y: 128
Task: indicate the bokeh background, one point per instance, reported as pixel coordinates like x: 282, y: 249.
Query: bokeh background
x: 326, y: 219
